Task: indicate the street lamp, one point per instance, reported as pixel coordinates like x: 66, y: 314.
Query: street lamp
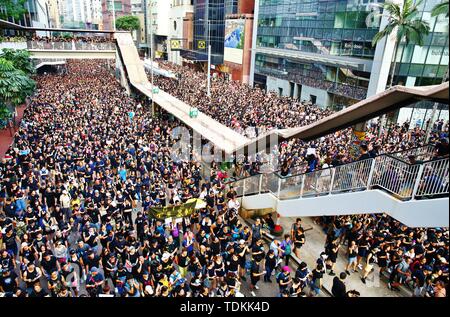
x: 209, y: 58
x: 151, y: 56
x: 114, y: 14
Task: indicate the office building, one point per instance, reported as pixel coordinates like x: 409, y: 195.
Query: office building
x: 322, y: 51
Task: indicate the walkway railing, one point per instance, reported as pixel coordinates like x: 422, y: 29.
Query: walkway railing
x: 70, y: 46
x: 400, y: 179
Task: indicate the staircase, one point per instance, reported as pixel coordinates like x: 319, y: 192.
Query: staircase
x: 416, y: 195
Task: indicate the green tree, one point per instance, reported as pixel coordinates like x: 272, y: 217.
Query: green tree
x: 15, y: 84
x: 128, y: 23
x: 440, y: 9
x: 12, y: 8
x: 20, y: 59
x: 403, y: 21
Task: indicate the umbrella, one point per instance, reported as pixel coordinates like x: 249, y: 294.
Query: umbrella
x: 199, y: 204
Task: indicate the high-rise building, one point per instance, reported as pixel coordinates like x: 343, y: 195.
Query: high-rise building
x: 84, y: 14
x: 321, y: 50
x: 36, y: 15
x: 158, y: 19
x: 179, y: 10
x: 238, y: 40
x: 209, y: 29
x: 121, y: 8
x: 138, y: 10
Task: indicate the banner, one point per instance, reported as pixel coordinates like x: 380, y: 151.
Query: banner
x: 162, y: 213
x: 234, y: 41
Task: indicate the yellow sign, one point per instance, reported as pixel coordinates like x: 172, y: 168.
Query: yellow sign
x: 181, y: 211
x: 175, y: 45
x: 202, y: 44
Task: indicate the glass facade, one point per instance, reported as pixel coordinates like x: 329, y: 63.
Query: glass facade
x: 426, y: 65
x: 214, y: 12
x: 343, y: 28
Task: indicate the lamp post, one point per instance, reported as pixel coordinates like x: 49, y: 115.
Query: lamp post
x: 151, y: 56
x: 114, y: 15
x: 209, y: 58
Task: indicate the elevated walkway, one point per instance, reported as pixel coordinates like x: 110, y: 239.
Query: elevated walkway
x: 416, y: 195
x: 231, y: 141
x: 71, y: 50
x: 219, y: 134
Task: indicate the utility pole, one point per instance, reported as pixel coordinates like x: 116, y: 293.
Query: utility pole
x: 114, y: 15
x: 152, y: 56
x: 209, y: 61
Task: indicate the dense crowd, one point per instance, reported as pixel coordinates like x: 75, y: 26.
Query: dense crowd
x: 78, y: 39
x: 414, y: 257
x: 252, y: 112
x: 237, y: 105
x: 87, y: 164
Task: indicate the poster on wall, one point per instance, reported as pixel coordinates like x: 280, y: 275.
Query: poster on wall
x: 234, y: 41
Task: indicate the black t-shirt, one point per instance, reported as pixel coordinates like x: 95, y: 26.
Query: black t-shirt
x: 338, y: 289
x: 260, y: 256
x: 254, y: 270
x: 50, y: 265
x: 9, y: 283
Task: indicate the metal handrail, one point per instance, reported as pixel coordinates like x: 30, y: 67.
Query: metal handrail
x: 402, y: 180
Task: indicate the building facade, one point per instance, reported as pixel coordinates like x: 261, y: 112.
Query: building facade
x: 179, y: 10
x: 322, y: 51
x: 121, y: 8
x: 238, y: 40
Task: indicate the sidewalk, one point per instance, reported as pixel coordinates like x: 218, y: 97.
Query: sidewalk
x: 5, y: 134
x: 315, y: 241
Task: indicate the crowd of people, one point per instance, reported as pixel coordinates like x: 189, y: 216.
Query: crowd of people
x: 414, y: 257
x: 77, y: 39
x: 88, y: 163
x: 252, y: 112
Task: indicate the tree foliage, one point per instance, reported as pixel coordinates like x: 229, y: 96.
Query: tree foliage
x: 128, y: 23
x: 20, y: 59
x: 15, y: 84
x: 404, y: 19
x: 12, y: 8
x: 440, y: 9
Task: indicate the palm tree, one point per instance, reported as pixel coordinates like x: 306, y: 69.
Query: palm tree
x: 404, y: 23
x: 440, y: 9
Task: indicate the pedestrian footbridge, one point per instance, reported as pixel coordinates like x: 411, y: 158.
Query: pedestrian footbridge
x: 71, y: 50
x: 416, y: 195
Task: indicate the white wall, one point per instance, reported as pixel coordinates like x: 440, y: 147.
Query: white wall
x: 323, y: 98
x: 161, y: 10
x: 416, y: 213
x: 176, y: 14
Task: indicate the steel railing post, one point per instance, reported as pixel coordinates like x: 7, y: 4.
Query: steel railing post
x: 303, y: 185
x: 333, y: 174
x: 260, y: 183
x: 372, y: 170
x: 279, y: 187
x: 418, y: 180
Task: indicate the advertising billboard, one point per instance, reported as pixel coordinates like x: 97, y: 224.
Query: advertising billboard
x: 234, y: 41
